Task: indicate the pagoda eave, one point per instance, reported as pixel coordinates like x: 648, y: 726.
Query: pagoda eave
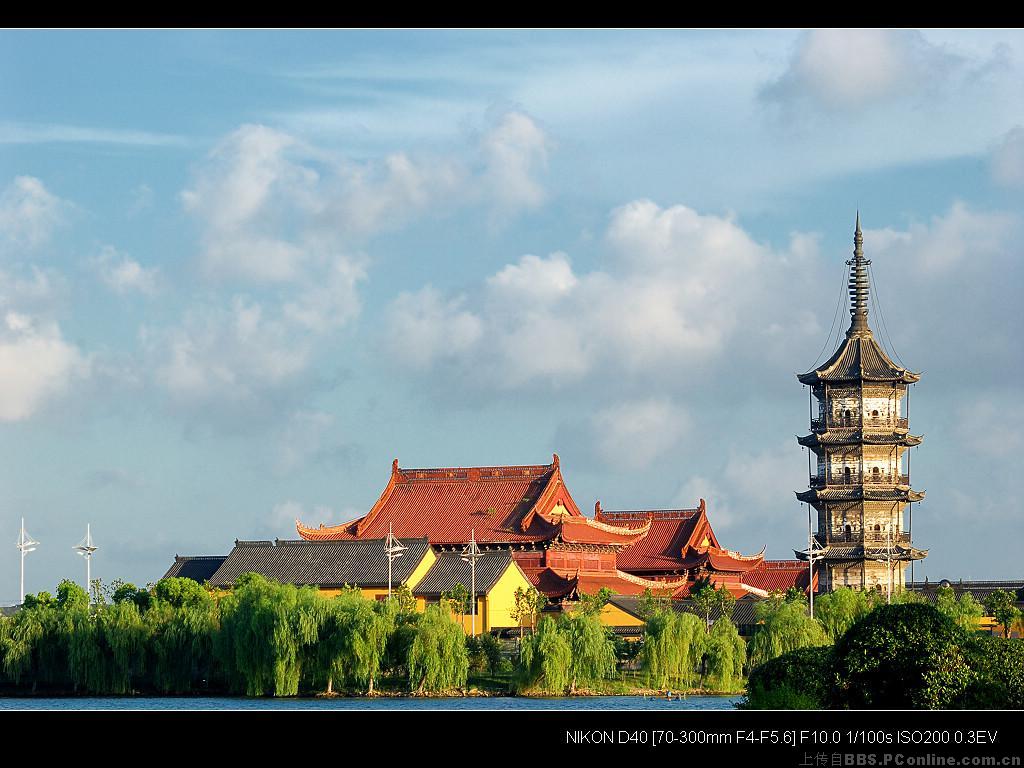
x: 830, y: 439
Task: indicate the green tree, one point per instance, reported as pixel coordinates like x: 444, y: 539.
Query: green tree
x: 673, y: 646
x: 838, y: 610
x: 1000, y: 605
x: 527, y: 604
x: 725, y: 655
x: 783, y: 625
x: 707, y: 599
x: 592, y: 649
x: 364, y: 631
x: 544, y: 660
x: 902, y: 656
x: 800, y: 679
x: 458, y: 596
x: 437, y: 655
x: 965, y: 612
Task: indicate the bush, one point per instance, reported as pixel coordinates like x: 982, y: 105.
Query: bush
x: 997, y: 666
x: 902, y: 656
x: 800, y: 679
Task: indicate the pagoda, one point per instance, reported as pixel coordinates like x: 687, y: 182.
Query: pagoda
x: 859, y: 487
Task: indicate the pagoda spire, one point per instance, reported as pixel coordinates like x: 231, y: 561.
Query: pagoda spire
x: 859, y: 285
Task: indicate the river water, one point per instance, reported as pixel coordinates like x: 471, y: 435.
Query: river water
x: 384, y: 703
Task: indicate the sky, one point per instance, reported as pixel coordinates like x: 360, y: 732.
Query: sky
x: 241, y: 271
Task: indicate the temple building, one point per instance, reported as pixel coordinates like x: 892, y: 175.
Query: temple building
x: 529, y: 512
x: 859, y: 483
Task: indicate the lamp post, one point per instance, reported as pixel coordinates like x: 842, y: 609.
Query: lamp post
x: 393, y: 548
x: 25, y: 545
x: 86, y: 549
x: 814, y: 554
x: 470, y: 555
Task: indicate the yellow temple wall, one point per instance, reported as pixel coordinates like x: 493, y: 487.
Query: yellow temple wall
x: 502, y: 597
x: 613, y: 616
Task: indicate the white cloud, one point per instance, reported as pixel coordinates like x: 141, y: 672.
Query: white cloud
x: 124, y: 275
x: 948, y: 241
x: 516, y: 150
x: 637, y: 433
x: 849, y: 69
x: 36, y: 133
x: 29, y: 212
x: 226, y: 361
x: 1007, y: 162
x: 36, y: 365
x: 678, y: 288
x: 424, y: 328
x: 275, y: 209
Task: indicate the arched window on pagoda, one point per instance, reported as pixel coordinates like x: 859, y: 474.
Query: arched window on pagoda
x: 876, y: 474
x: 846, y: 473
x: 847, y: 418
x: 849, y: 533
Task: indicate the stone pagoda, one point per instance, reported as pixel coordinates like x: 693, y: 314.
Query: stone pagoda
x: 860, y: 486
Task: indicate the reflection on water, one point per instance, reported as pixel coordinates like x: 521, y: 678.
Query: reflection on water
x: 460, y: 703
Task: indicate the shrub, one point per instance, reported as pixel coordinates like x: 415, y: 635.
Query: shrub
x: 902, y: 656
x: 800, y: 679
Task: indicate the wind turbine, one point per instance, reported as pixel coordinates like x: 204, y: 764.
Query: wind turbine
x: 85, y: 548
x: 25, y: 544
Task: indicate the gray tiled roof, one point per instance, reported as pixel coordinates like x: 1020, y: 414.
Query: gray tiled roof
x: 859, y: 357
x: 742, y: 612
x: 450, y: 569
x: 198, y: 568
x: 361, y: 562
x: 979, y: 589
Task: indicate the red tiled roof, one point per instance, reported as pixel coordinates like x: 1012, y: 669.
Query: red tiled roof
x: 779, y: 575
x: 499, y: 505
x: 668, y: 545
x: 583, y: 530
x: 726, y: 560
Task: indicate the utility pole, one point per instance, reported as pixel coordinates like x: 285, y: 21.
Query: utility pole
x: 393, y: 548
x: 470, y: 555
x: 25, y: 545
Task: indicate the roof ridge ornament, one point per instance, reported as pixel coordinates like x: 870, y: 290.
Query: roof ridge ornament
x: 859, y: 286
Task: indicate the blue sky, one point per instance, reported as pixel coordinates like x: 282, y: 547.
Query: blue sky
x: 242, y: 271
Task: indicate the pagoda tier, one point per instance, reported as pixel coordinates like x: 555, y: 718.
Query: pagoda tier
x: 878, y: 552
x: 859, y: 492
x: 859, y: 435
x: 834, y: 438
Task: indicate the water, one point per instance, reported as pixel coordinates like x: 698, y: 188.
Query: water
x: 459, y: 703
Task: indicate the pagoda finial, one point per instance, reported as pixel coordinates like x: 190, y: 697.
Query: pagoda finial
x: 858, y: 284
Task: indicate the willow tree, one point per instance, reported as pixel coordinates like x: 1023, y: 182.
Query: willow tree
x: 269, y: 632
x: 783, y: 625
x: 437, y: 655
x: 123, y: 637
x: 965, y: 611
x: 725, y: 655
x: 592, y: 649
x: 837, y: 611
x: 181, y: 623
x: 357, y: 634
x: 33, y: 646
x: 544, y: 659
x: 674, y: 643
